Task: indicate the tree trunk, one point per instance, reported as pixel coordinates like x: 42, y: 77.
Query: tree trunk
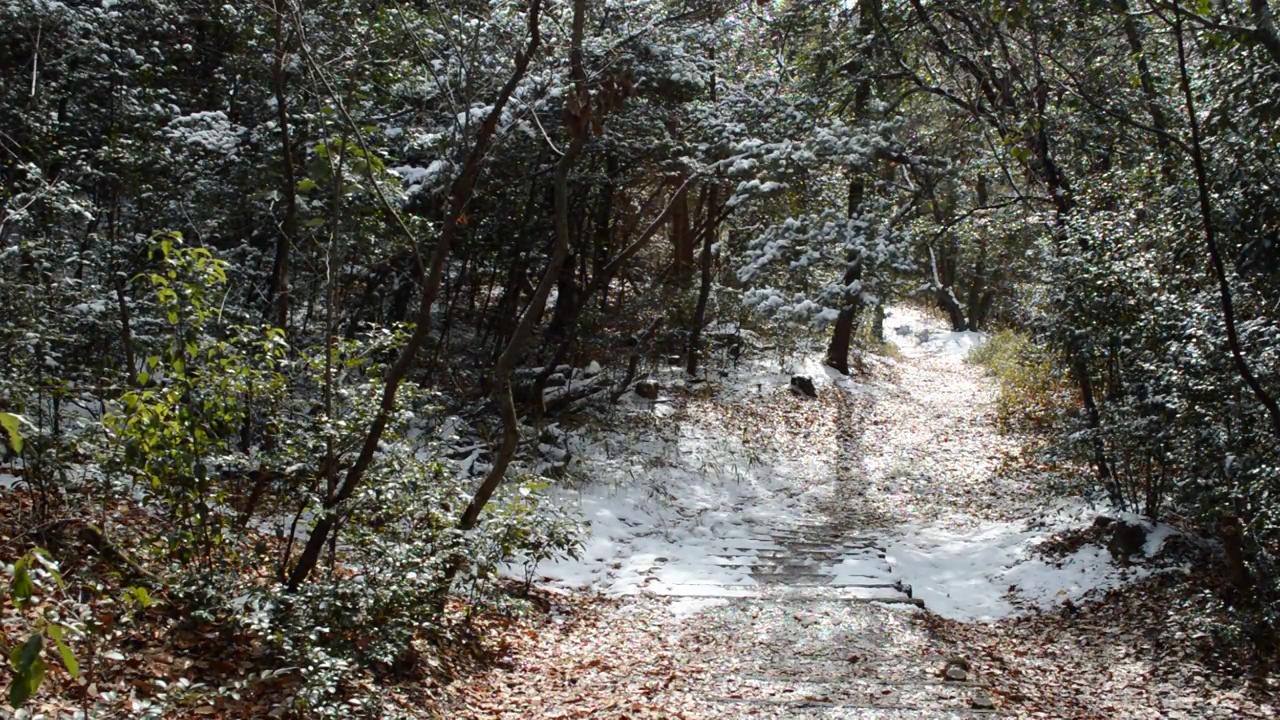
x: 977, y: 285
x: 459, y: 194
x: 602, y: 230
x: 1150, y: 94
x: 709, y: 235
x: 681, y: 242
x: 1265, y: 31
x: 1210, y: 238
x: 279, y: 310
x: 579, y: 126
x: 846, y: 321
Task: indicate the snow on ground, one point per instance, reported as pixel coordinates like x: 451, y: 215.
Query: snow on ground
x: 918, y: 335
x: 682, y: 493
x: 993, y: 570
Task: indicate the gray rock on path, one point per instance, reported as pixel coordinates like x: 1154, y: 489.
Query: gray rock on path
x: 982, y: 701
x: 647, y: 390
x: 802, y: 385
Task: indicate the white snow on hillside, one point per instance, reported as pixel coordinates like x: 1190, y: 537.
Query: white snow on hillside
x: 682, y: 496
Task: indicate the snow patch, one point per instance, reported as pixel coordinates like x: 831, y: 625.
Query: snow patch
x: 993, y: 570
x: 688, y: 607
x: 917, y: 335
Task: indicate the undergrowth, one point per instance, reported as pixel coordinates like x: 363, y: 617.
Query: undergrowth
x: 1033, y: 390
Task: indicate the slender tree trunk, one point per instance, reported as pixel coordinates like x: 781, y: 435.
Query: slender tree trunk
x: 977, y: 285
x: 1265, y: 31
x: 1150, y: 94
x: 710, y: 233
x: 602, y: 231
x: 1216, y: 264
x: 681, y: 242
x: 459, y: 195
x: 579, y: 126
x: 126, y: 333
x: 846, y: 320
x: 289, y: 183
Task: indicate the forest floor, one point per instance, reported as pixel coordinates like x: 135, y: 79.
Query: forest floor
x: 757, y: 553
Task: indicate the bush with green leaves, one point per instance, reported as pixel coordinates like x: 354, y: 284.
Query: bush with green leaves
x: 217, y: 403
x: 1033, y: 389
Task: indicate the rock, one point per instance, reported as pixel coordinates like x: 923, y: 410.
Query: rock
x: 956, y: 669
x: 1127, y: 539
x: 806, y: 620
x: 982, y: 701
x: 802, y: 385
x: 647, y: 390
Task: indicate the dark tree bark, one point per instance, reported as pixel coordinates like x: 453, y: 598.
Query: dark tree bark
x: 977, y: 286
x: 602, y: 229
x: 1265, y: 31
x: 709, y: 234
x: 1150, y: 94
x: 1216, y: 265
x: 847, y: 319
x: 681, y: 240
x: 279, y: 304
x: 459, y: 195
x: 578, y: 125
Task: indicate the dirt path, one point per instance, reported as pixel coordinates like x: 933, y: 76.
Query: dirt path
x: 831, y: 630
x: 769, y: 552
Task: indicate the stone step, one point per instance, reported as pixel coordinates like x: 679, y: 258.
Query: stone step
x: 806, y: 553
x: 741, y: 709
x: 807, y: 546
x: 772, y: 560
x: 812, y: 579
x: 846, y: 692
x: 856, y: 664
x: 781, y: 593
x: 815, y: 536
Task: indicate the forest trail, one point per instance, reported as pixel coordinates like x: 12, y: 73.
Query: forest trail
x: 828, y: 629
x: 768, y: 541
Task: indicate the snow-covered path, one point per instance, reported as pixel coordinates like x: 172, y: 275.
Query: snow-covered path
x: 722, y: 488
x: 795, y: 538
x: 792, y: 534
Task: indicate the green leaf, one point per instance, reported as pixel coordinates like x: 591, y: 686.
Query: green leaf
x: 12, y: 424
x: 21, y: 589
x: 68, y: 658
x: 27, y: 653
x: 26, y: 682
x: 139, y: 595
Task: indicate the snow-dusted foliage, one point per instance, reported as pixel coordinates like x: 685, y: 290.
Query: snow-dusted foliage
x: 807, y: 268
